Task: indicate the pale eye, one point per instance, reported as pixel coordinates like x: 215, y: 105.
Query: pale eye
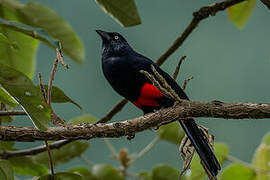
x: 116, y: 37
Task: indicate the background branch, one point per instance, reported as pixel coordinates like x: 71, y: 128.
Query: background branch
x: 185, y: 109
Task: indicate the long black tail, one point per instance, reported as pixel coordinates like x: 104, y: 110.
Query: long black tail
x: 201, y: 146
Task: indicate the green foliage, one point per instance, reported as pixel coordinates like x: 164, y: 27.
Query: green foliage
x: 62, y: 176
x: 7, y: 99
x: 197, y: 171
x: 237, y: 171
x: 239, y: 13
x: 4, y: 39
x: 123, y: 11
x: 145, y: 175
x: 58, y: 96
x: 165, y: 172
x: 104, y: 172
x: 26, y: 165
x: 6, y: 145
x: 6, y: 171
x: 84, y: 172
x: 171, y: 132
x: 33, y: 14
x: 21, y: 88
x: 26, y: 46
x: 64, y: 154
x: 86, y: 118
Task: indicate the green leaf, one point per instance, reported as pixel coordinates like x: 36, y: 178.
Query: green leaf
x: 145, y: 175
x: 6, y: 171
x: 261, y: 158
x: 23, y: 57
x: 25, y: 165
x: 86, y: 118
x: 27, y: 95
x: 33, y: 14
x: 84, y: 172
x: 105, y: 172
x: 171, y: 132
x: 197, y: 171
x: 237, y: 171
x: 62, y: 176
x: 64, y: 154
x: 7, y: 99
x: 239, y: 13
x: 6, y: 145
x: 4, y: 39
x: 58, y: 96
x: 165, y: 172
x: 123, y: 11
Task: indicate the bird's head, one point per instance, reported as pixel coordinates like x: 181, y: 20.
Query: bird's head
x: 113, y: 44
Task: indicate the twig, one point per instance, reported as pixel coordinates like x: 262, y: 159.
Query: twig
x: 42, y: 89
x: 199, y: 15
x: 186, y: 82
x: 50, y: 159
x: 118, y: 107
x: 59, y: 56
x: 13, y: 113
x: 146, y: 149
x: 51, y: 81
x: 111, y: 148
x: 266, y: 3
x: 177, y: 69
x: 186, y: 109
x: 89, y: 163
x: 33, y: 151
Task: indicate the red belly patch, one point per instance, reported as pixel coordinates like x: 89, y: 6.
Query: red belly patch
x: 148, y: 96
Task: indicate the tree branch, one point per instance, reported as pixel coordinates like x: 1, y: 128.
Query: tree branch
x: 266, y: 3
x: 199, y: 15
x: 185, y: 109
x: 33, y: 151
x: 13, y: 113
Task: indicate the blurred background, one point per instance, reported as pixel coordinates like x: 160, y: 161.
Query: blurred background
x: 228, y: 64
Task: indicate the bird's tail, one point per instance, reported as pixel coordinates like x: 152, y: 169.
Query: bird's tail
x: 201, y: 146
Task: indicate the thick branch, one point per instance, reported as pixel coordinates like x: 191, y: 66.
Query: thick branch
x: 186, y: 109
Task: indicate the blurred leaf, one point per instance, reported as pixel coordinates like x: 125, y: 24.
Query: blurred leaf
x: 6, y: 145
x: 84, y: 172
x: 36, y: 33
x: 64, y: 154
x: 145, y: 175
x: 197, y: 171
x: 33, y: 14
x: 27, y: 166
x: 23, y: 57
x: 7, y: 99
x: 6, y: 171
x: 239, y: 13
x: 171, y: 132
x: 123, y: 11
x: 58, y: 96
x: 165, y: 172
x: 27, y: 95
x: 61, y: 176
x: 261, y: 158
x: 4, y: 39
x: 86, y: 118
x: 237, y: 171
x: 105, y: 172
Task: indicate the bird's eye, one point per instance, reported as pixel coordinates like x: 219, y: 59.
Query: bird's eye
x: 116, y: 37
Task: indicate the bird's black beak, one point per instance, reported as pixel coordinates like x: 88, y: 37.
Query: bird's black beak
x: 104, y: 35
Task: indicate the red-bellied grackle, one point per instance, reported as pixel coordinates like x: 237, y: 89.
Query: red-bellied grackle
x: 121, y: 66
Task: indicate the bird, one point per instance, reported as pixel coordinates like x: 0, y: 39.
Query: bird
x: 122, y: 66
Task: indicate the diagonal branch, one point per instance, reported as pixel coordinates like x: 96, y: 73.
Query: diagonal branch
x: 199, y: 15
x: 186, y: 109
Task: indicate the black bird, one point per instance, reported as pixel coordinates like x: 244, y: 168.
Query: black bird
x: 121, y: 66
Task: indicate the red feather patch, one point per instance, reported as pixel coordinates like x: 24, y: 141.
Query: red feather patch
x: 148, y: 96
